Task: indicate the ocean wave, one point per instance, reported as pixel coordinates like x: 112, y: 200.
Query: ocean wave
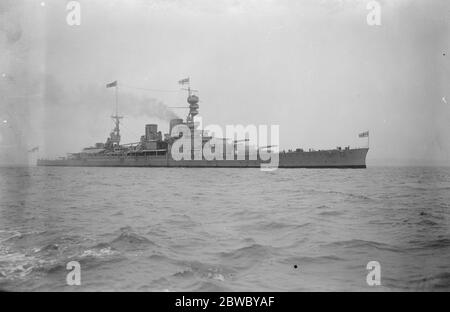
x: 88, y: 258
x: 47, y: 250
x: 128, y: 239
x: 182, y: 221
x: 197, y: 270
x: 16, y: 235
x: 347, y: 194
x: 51, y: 258
x: 247, y: 257
x: 440, y: 281
x: 98, y: 253
x: 427, y: 222
x: 330, y: 213
x: 185, y: 273
x: 312, y: 260
x: 159, y: 257
x: 252, y: 251
x: 435, y: 282
x: 438, y: 243
x: 211, y: 285
x: 17, y: 265
x: 51, y: 267
x: 278, y: 225
x: 420, y: 245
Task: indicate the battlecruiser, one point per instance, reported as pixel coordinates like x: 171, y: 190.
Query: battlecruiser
x: 155, y: 149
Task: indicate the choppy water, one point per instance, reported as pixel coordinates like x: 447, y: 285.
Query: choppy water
x: 224, y: 229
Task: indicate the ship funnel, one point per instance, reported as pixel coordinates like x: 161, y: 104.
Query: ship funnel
x: 151, y: 132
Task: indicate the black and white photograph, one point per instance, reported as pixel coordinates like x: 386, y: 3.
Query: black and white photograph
x: 228, y: 146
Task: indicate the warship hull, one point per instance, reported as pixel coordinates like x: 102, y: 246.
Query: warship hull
x: 348, y: 158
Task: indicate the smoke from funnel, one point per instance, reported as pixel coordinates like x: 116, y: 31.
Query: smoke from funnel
x: 153, y: 108
x: 47, y: 109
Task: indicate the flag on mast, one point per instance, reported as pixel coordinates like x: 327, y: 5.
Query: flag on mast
x: 184, y: 81
x: 112, y: 84
x: 364, y: 134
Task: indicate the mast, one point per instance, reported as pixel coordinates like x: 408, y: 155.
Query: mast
x: 192, y: 100
x: 114, y: 137
x: 117, y: 100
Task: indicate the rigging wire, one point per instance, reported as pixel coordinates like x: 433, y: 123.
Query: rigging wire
x: 147, y: 89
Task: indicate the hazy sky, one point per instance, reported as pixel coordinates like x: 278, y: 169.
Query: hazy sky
x: 316, y: 68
